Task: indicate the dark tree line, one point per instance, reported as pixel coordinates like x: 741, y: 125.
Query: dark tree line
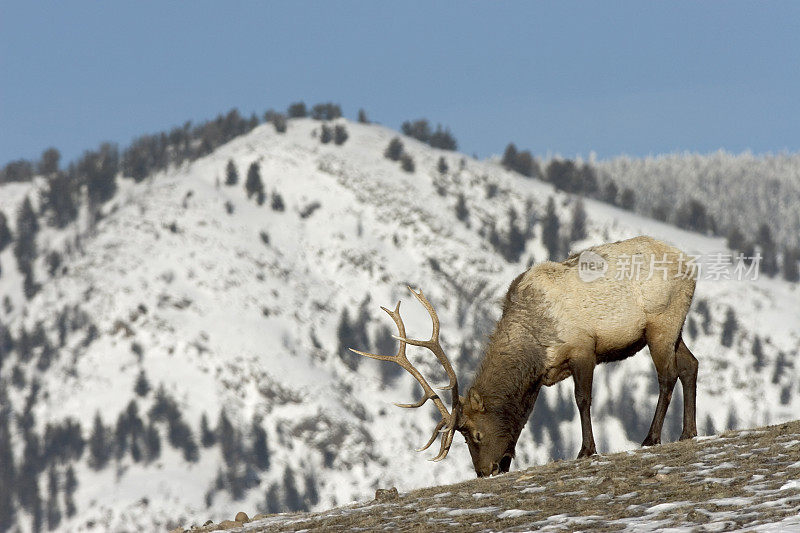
x: 420, y: 129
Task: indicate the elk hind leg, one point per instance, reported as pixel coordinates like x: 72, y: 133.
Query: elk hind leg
x: 582, y: 369
x: 687, y: 373
x: 662, y: 350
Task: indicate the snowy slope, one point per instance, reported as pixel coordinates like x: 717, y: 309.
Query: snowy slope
x: 240, y: 311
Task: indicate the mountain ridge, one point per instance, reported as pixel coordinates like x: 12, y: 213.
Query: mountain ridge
x: 231, y: 307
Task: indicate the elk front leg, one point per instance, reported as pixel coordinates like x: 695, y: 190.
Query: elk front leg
x: 582, y: 369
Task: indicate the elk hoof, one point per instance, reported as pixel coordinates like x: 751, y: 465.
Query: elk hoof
x: 650, y: 441
x: 687, y: 436
x: 587, y: 452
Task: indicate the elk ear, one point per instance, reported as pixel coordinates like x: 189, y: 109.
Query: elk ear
x: 475, y: 401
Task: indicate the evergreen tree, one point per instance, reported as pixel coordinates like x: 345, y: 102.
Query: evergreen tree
x: 769, y: 260
x: 58, y: 200
x: 5, y: 233
x: 758, y: 354
x: 705, y: 314
x: 339, y: 134
x: 48, y: 164
x: 780, y: 366
x: 691, y: 327
x: 610, y: 193
x: 326, y: 111
x: 7, y: 468
x: 53, y: 508
x: 418, y: 129
x: 99, y: 444
x: 19, y: 170
x: 70, y: 486
x: 527, y: 165
x: 515, y: 239
x: 312, y: 495
x: 142, y: 386
x: 407, y: 163
x: 297, y: 110
x: 791, y: 257
x: 509, y: 160
x: 628, y: 199
x: 441, y: 166
x: 27, y: 227
x: 736, y: 241
x: 207, y: 436
x: 259, y: 451
x: 578, y: 225
x: 729, y: 328
x: 710, y: 429
x: 692, y: 216
x: 384, y: 343
x: 99, y: 170
x: 462, y: 212
x: 326, y: 134
x: 277, y: 202
x: 443, y: 139
x: 550, y: 230
x: 231, y: 174
x: 348, y: 338
x: 254, y: 185
x: 152, y: 442
x: 291, y: 497
x: 394, y: 150
x: 733, y: 420
x: 279, y: 123
x: 362, y: 117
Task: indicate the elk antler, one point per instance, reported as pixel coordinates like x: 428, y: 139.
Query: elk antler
x: 447, y: 425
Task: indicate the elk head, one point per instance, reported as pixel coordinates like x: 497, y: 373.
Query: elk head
x: 490, y: 446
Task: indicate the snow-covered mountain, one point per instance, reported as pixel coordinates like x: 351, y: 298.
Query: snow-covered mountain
x: 188, y: 299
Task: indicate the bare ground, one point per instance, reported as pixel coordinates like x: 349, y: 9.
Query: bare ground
x: 736, y: 480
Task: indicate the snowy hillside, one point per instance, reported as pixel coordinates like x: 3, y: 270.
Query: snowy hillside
x: 187, y: 300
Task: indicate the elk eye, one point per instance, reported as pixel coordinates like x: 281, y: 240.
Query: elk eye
x: 477, y: 436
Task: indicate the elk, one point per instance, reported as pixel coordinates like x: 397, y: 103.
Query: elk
x: 556, y: 323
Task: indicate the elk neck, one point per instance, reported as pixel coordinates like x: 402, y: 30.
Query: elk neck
x: 510, y: 374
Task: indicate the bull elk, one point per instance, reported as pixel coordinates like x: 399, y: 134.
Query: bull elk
x: 554, y: 324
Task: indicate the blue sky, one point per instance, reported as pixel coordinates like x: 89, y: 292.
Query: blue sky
x: 558, y: 77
